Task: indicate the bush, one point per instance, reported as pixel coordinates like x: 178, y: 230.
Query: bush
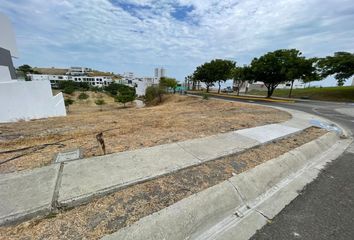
x: 100, y: 102
x: 69, y: 89
x: 83, y: 96
x: 205, y: 96
x: 68, y: 102
x: 152, y: 93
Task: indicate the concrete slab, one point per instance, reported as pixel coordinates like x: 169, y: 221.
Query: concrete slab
x: 193, y: 214
x: 218, y: 145
x: 267, y: 133
x: 94, y: 176
x: 69, y: 155
x: 27, y: 193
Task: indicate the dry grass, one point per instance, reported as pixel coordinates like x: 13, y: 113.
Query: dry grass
x: 108, y: 214
x: 179, y: 118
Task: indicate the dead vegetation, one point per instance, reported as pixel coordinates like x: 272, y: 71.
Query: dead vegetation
x: 110, y: 213
x: 178, y: 118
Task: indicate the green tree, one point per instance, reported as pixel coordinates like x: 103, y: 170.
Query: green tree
x: 240, y: 75
x: 25, y: 69
x: 153, y: 92
x: 100, y: 102
x: 284, y: 65
x: 166, y: 82
x: 126, y: 94
x: 341, y: 65
x: 218, y: 70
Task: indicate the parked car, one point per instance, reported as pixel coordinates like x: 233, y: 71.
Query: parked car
x: 227, y: 90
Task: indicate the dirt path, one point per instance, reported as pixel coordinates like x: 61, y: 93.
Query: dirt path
x: 179, y: 118
x: 110, y: 213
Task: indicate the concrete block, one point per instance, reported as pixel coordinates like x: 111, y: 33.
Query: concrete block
x: 84, y: 179
x: 218, y: 145
x: 267, y: 133
x: 256, y: 182
x: 187, y: 217
x: 27, y: 194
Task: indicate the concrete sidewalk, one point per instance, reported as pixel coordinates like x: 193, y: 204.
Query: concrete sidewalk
x: 38, y: 191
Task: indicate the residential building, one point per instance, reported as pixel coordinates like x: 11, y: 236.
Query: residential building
x: 160, y: 72
x: 140, y: 83
x: 78, y: 71
x: 97, y: 81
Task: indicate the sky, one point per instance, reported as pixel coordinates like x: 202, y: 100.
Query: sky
x: 139, y: 35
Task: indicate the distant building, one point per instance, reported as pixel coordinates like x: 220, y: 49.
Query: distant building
x: 160, y: 72
x: 140, y: 83
x: 97, y: 81
x: 78, y: 71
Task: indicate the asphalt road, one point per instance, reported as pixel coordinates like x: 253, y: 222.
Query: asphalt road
x: 325, y: 208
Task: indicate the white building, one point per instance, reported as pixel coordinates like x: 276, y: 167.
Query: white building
x: 22, y: 100
x: 97, y: 81
x: 160, y: 72
x: 78, y: 71
x: 140, y: 83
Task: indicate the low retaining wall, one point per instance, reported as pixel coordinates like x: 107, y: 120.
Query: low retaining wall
x: 236, y: 208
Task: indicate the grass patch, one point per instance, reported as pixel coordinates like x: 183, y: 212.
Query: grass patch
x: 339, y: 94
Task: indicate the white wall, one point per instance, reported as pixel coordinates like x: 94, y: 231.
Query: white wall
x: 21, y: 100
x: 7, y: 36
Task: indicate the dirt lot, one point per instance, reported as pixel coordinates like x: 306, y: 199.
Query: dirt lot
x: 178, y: 118
x: 110, y: 213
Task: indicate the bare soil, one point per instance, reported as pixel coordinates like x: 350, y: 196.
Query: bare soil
x: 110, y: 213
x: 31, y: 144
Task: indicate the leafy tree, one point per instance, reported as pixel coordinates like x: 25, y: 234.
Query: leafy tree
x: 100, y: 102
x: 341, y: 65
x: 218, y: 70
x: 240, y: 75
x: 303, y: 69
x: 68, y: 102
x: 282, y: 65
x: 126, y: 94
x: 83, y: 96
x: 168, y: 83
x: 25, y: 69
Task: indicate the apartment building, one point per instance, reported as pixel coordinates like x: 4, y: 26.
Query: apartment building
x: 97, y: 81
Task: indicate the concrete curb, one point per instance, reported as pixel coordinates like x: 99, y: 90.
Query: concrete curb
x: 244, y: 203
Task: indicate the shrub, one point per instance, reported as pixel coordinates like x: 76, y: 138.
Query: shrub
x: 152, y: 93
x: 100, y: 102
x: 205, y: 96
x: 83, y: 96
x: 69, y: 89
x: 68, y: 102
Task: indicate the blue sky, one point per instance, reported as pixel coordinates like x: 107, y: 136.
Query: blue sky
x: 139, y: 35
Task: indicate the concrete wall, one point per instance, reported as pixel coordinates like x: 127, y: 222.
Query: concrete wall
x: 6, y: 60
x: 20, y: 100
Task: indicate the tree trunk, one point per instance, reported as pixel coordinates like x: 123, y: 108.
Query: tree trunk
x: 270, y: 91
x: 219, y: 87
x: 193, y: 85
x: 291, y: 88
x: 207, y: 88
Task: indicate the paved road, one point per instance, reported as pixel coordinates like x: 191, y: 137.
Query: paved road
x: 325, y: 208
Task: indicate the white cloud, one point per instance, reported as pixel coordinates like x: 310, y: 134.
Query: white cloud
x: 100, y: 34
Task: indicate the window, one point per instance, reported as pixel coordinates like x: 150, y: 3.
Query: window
x: 60, y: 77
